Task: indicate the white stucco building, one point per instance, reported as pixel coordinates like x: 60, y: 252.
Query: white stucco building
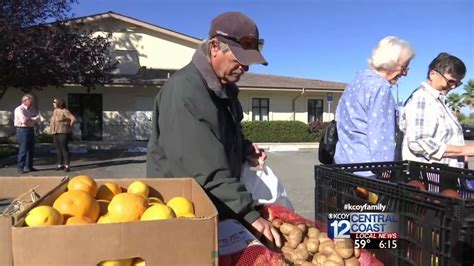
x: 147, y: 55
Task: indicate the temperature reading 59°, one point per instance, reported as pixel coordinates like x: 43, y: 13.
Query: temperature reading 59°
x: 361, y: 243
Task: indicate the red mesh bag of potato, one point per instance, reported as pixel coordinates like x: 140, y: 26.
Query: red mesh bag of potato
x: 238, y: 246
x: 272, y: 211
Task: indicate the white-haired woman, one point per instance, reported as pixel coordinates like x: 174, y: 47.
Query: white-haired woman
x: 366, y: 113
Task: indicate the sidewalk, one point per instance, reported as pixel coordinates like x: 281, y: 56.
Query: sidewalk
x: 101, y: 159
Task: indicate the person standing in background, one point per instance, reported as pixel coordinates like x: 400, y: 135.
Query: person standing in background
x: 432, y: 131
x: 61, y: 129
x: 366, y: 113
x: 25, y: 120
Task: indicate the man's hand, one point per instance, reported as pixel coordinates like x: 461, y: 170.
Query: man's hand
x: 265, y: 228
x: 258, y: 157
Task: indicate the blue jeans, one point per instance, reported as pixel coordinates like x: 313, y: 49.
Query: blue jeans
x: 26, y: 141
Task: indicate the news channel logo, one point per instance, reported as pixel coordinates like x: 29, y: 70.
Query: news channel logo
x: 343, y: 225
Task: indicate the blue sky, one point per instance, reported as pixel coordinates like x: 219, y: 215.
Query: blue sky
x: 322, y: 39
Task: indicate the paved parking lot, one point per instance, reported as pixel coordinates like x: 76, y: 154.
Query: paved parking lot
x: 295, y: 169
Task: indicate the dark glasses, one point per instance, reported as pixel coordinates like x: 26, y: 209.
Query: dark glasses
x: 450, y: 82
x: 247, y: 42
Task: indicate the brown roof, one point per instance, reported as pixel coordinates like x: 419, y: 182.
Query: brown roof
x: 254, y: 80
x: 247, y: 81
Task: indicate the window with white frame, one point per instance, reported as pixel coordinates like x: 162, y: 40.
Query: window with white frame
x: 315, y: 110
x: 260, y: 109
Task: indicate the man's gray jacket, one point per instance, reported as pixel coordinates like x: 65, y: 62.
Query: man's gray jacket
x: 196, y: 133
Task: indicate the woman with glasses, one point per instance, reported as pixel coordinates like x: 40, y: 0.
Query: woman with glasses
x: 366, y: 112
x: 61, y: 128
x: 432, y: 131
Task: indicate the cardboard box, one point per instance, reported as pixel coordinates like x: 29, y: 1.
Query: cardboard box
x: 165, y: 242
x: 11, y: 188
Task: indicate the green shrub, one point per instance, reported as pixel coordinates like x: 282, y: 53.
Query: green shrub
x: 44, y: 138
x: 278, y: 131
x: 7, y: 150
x: 8, y: 140
x: 468, y: 121
x: 460, y: 116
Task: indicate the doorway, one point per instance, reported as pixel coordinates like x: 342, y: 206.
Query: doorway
x: 88, y: 110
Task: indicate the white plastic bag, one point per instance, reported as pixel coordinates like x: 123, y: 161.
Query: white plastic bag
x: 264, y: 186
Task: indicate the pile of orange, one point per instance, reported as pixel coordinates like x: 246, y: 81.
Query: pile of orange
x: 84, y: 203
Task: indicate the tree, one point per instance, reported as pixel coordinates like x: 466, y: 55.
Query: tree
x: 455, y: 101
x: 41, y: 46
x: 468, y: 96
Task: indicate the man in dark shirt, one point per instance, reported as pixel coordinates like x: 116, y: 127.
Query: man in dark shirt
x: 196, y: 121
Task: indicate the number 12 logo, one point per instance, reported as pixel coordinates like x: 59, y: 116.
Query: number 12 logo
x: 339, y: 228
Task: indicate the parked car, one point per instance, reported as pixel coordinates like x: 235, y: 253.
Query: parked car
x: 468, y: 131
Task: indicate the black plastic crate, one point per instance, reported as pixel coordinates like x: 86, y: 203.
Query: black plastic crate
x: 434, y: 229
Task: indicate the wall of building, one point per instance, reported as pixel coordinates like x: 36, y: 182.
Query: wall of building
x: 281, y: 104
x: 155, y: 49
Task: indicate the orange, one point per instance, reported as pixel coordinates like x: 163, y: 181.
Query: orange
x: 43, y: 216
x: 187, y: 215
x: 104, y: 219
x: 154, y: 200
x: 84, y: 183
x: 78, y: 220
x: 138, y: 262
x: 124, y: 262
x: 139, y: 188
x: 107, y: 191
x: 126, y: 207
x: 180, y: 206
x: 158, y: 212
x: 77, y: 203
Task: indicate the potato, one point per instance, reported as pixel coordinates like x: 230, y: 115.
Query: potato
x: 301, y: 245
x: 323, y: 235
x: 286, y: 228
x: 277, y: 223
x: 286, y: 249
x: 351, y: 262
x: 295, y: 237
x: 303, y: 228
x: 357, y: 252
x: 327, y: 247
x: 298, y: 262
x: 331, y: 263
x: 312, y: 245
x: 336, y: 258
x: 299, y: 254
x: 345, y: 249
x: 324, y: 239
x: 313, y: 232
x: 319, y: 259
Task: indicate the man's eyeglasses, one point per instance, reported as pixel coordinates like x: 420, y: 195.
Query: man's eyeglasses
x: 450, y: 82
x: 247, y: 42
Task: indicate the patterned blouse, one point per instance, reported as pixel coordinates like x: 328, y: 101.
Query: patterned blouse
x: 60, y: 122
x: 429, y: 126
x: 365, y: 119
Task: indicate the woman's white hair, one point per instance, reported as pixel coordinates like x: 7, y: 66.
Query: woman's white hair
x: 205, y: 46
x: 388, y: 51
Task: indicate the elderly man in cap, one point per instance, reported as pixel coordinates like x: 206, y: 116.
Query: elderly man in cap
x: 196, y: 121
x: 25, y: 121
